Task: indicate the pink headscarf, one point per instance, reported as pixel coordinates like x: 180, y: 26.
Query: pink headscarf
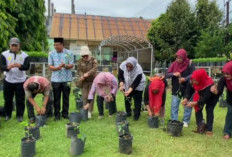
x: 180, y: 67
x: 227, y: 68
x: 104, y: 78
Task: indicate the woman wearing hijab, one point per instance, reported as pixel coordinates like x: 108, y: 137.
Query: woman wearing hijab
x: 226, y: 80
x: 155, y: 96
x: 180, y: 72
x: 105, y: 85
x: 132, y: 83
x: 87, y: 70
x: 201, y: 84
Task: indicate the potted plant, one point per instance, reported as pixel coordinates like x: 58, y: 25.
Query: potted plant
x: 121, y: 116
x: 153, y: 121
x: 222, y: 102
x: 122, y: 128
x: 33, y: 130
x: 78, y: 97
x: 28, y: 145
x: 84, y: 114
x: 72, y: 129
x: 40, y: 120
x: 75, y: 117
x: 125, y: 143
x: 174, y: 128
x: 77, y: 144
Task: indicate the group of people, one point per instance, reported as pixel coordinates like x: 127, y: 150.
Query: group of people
x: 194, y: 87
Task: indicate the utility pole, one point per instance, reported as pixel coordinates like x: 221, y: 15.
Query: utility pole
x: 72, y: 7
x: 227, y: 13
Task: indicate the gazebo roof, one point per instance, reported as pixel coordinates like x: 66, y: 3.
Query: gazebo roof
x: 126, y: 42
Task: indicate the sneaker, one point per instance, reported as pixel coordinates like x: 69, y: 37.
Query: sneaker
x: 89, y: 115
x: 100, y: 117
x: 226, y: 137
x: 185, y: 124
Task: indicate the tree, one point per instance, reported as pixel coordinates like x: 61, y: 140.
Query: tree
x: 210, y: 33
x: 7, y: 23
x: 228, y: 43
x: 208, y: 15
x: 31, y: 24
x: 211, y: 43
x: 173, y: 30
x: 160, y: 37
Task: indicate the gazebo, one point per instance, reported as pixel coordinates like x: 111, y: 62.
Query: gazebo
x: 125, y: 46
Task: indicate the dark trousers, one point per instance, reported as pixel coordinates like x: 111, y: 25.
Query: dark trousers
x: 58, y: 88
x: 209, y: 114
x: 228, y: 123
x: 137, y: 97
x: 100, y: 106
x: 9, y: 90
x: 49, y: 107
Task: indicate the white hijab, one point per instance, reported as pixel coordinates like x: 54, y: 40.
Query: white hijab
x: 130, y: 76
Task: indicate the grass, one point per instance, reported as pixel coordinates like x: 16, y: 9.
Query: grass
x: 102, y: 139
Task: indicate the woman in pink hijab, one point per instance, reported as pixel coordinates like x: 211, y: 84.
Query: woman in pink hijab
x: 105, y: 85
x: 226, y: 81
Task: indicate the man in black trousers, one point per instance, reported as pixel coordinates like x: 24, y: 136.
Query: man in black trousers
x: 14, y: 63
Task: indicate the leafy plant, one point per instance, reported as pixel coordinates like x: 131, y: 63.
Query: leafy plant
x: 122, y: 127
x: 27, y: 126
x: 212, y: 59
x: 37, y: 54
x: 81, y: 137
x: 77, y: 125
x: 77, y: 93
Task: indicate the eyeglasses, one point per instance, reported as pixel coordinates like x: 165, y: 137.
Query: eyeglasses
x: 84, y: 56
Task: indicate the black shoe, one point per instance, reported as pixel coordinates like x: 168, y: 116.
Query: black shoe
x: 57, y: 118
x: 136, y: 118
x: 128, y: 115
x: 7, y: 118
x: 20, y: 119
x: 65, y: 116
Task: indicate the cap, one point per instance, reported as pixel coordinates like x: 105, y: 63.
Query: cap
x: 60, y: 40
x: 14, y: 41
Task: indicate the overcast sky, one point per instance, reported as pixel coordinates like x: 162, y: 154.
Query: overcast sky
x: 149, y: 9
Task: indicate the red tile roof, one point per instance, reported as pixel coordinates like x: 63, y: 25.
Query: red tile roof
x: 96, y: 28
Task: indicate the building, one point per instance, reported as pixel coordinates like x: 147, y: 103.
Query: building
x: 111, y: 39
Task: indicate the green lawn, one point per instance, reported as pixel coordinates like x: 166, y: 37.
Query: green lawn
x: 102, y: 139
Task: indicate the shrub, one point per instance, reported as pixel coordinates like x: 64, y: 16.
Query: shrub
x: 37, y: 54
